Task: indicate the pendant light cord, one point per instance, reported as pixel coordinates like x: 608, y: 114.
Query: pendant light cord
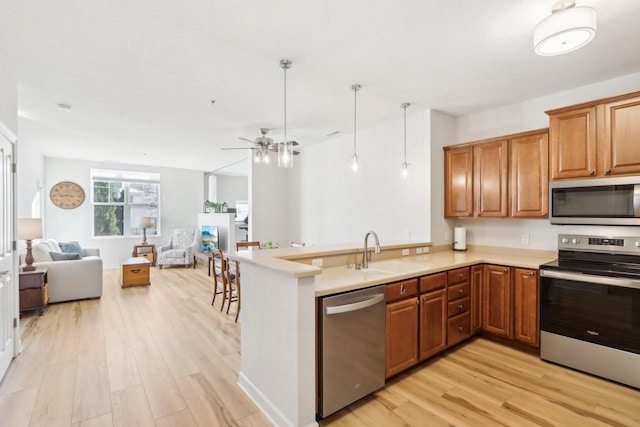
x: 355, y: 88
x: 404, y: 107
x: 285, y: 105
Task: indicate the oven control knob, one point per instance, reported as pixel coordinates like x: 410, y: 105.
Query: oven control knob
x: 565, y: 240
x: 575, y: 241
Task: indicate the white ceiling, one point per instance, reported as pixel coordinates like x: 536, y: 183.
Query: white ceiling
x: 140, y: 75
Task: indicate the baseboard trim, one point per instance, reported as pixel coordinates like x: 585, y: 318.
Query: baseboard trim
x: 264, y: 404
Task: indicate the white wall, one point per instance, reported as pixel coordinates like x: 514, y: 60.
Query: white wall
x: 232, y: 188
x: 8, y: 94
x: 442, y: 128
x: 521, y: 117
x: 336, y: 207
x: 269, y: 203
x: 181, y: 200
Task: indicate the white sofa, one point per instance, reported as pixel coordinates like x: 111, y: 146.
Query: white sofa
x: 70, y: 279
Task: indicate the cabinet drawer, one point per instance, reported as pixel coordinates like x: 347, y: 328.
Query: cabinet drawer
x: 458, y: 275
x: 402, y: 289
x: 459, y: 329
x: 458, y: 306
x: 433, y: 282
x: 135, y: 275
x: 458, y: 291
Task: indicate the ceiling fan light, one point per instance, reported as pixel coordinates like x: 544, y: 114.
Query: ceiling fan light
x: 285, y: 155
x: 405, y: 169
x: 568, y: 28
x: 354, y: 166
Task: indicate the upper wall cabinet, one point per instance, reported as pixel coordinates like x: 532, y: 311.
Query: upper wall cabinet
x: 458, y: 182
x: 595, y: 139
x: 499, y: 177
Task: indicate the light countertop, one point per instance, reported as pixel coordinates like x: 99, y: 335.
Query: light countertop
x: 340, y: 279
x: 331, y: 280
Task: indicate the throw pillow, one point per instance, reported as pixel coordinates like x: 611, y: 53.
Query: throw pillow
x: 64, y: 256
x: 72, y: 247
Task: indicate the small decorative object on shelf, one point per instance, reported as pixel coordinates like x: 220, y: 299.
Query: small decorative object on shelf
x: 269, y: 245
x: 224, y: 207
x: 212, y: 207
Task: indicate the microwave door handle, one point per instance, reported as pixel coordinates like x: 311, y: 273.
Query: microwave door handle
x: 588, y: 278
x: 636, y: 201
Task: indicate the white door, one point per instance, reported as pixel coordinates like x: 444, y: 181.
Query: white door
x: 7, y: 276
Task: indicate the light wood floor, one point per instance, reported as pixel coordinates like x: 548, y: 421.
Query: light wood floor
x: 163, y: 356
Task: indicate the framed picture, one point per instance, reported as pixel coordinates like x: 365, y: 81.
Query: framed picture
x: 209, y: 238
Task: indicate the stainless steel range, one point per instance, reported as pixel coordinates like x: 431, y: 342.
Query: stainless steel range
x: 590, y: 306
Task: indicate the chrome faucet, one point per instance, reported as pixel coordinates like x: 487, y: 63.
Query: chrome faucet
x: 365, y: 258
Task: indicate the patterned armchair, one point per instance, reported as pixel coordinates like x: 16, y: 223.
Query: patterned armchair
x: 182, y: 245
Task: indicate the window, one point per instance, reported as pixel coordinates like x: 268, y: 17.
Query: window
x: 121, y: 198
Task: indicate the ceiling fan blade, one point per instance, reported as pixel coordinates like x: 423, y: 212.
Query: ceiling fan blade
x: 245, y: 139
x: 238, y: 148
x: 295, y: 153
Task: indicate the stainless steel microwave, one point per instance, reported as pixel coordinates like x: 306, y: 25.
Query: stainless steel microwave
x: 608, y: 201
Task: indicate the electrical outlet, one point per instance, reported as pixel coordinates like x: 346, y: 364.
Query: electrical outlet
x: 525, y: 239
x: 405, y: 252
x: 316, y: 262
x: 418, y: 251
x: 447, y: 236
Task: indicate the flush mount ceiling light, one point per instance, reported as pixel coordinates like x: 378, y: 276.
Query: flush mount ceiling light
x: 285, y: 148
x: 405, y: 165
x: 567, y: 28
x: 354, y: 160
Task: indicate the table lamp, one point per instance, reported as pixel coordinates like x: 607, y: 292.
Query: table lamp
x: 144, y: 222
x: 29, y: 229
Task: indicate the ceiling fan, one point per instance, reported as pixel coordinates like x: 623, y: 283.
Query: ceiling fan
x: 263, y: 145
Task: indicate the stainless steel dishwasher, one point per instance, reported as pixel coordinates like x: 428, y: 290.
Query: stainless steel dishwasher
x: 351, y: 347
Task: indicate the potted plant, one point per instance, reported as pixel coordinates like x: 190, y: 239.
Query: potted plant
x: 212, y: 207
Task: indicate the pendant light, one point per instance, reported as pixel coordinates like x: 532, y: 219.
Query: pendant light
x: 354, y: 160
x: 405, y: 165
x: 567, y: 28
x: 285, y: 148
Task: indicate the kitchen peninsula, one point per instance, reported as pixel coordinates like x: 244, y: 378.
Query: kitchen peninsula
x: 278, y: 318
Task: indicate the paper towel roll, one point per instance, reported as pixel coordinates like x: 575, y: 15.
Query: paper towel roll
x: 459, y: 239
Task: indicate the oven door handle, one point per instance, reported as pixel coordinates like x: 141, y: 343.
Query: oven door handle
x: 589, y: 278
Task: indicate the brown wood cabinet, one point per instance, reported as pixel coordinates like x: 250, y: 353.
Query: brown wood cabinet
x: 476, y: 299
x: 433, y: 323
x: 500, y: 187
x: 490, y: 179
x: 621, y: 137
x: 496, y: 294
x: 401, y: 336
x: 529, y: 175
x: 458, y: 182
x: 595, y: 139
x: 526, y: 308
x: 401, y: 326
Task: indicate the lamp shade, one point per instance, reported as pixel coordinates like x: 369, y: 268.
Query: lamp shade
x: 145, y: 222
x: 566, y: 29
x: 29, y: 228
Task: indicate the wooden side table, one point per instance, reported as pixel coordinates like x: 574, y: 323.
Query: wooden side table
x: 146, y: 250
x: 34, y: 290
x: 134, y: 272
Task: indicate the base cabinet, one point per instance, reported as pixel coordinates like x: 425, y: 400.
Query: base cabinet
x: 433, y: 323
x: 526, y: 287
x: 476, y: 299
x: 401, y: 336
x: 496, y: 294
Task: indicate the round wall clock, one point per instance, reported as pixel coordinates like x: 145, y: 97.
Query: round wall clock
x: 67, y: 195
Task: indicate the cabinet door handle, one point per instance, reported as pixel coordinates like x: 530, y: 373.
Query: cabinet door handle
x: 607, y: 171
x: 461, y: 275
x: 592, y: 172
x: 532, y: 274
x: 402, y: 290
x: 425, y: 299
x: 460, y: 291
x: 544, y: 214
x: 460, y: 328
x: 460, y: 306
x: 505, y: 270
x: 137, y: 270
